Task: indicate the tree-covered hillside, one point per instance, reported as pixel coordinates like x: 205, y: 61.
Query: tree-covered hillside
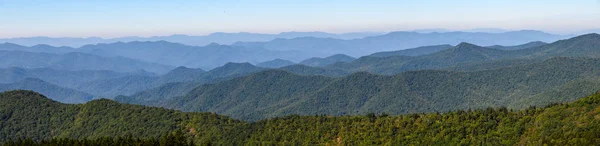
x: 275, y: 93
x: 26, y: 114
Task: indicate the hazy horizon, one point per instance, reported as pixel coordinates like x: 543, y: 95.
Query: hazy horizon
x: 110, y: 19
x: 424, y: 31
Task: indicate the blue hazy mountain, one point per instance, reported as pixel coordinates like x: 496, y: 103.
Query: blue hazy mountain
x: 175, y: 54
x: 218, y: 37
x: 293, y: 49
x: 277, y: 63
x: 321, y: 62
x: 65, y: 78
x: 413, y: 51
x: 322, y: 47
x: 76, y: 61
x: 54, y: 92
x: 467, y: 54
x: 167, y: 53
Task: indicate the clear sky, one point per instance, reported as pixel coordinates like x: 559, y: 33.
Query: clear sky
x: 114, y: 18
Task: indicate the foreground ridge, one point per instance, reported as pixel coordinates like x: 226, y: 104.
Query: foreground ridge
x: 26, y: 114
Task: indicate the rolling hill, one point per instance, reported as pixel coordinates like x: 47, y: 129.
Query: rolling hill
x: 28, y: 114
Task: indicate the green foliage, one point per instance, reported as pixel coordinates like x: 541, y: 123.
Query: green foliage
x: 276, y: 93
x: 30, y: 119
x: 29, y: 115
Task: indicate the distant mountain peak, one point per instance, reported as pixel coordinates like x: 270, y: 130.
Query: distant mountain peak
x: 237, y: 64
x: 464, y: 45
x: 185, y: 69
x: 339, y: 55
x: 276, y: 63
x: 278, y: 59
x: 213, y: 44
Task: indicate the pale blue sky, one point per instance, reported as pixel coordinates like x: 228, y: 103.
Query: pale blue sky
x: 114, y: 18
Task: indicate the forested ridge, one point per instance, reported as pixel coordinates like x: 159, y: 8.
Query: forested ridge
x: 275, y: 93
x: 29, y: 115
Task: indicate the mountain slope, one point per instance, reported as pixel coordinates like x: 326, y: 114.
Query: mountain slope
x: 587, y: 45
x: 27, y: 114
x: 413, y: 51
x: 320, y: 62
x: 277, y: 63
x: 283, y: 93
x: 462, y: 54
x: 519, y: 47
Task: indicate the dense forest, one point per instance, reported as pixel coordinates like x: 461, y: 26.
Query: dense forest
x: 275, y: 93
x: 31, y: 118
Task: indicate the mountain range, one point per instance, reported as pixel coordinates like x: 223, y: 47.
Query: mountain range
x: 218, y: 37
x: 109, y: 84
x: 77, y: 61
x: 276, y: 93
x: 466, y: 54
x: 398, y: 41
x: 280, y: 92
x: 295, y: 49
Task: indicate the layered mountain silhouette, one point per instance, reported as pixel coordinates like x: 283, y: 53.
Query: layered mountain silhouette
x: 466, y: 54
x: 218, y: 37
x: 61, y: 94
x: 76, y: 61
x: 275, y: 93
x: 530, y: 72
x: 398, y: 41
